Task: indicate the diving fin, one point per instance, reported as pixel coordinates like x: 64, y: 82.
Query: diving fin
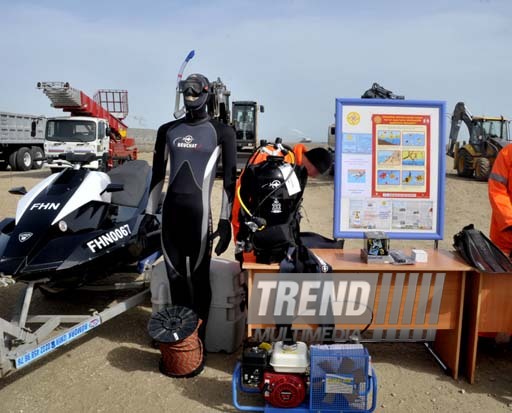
x: 480, y: 252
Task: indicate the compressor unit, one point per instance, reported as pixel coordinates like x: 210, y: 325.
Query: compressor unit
x: 290, y: 377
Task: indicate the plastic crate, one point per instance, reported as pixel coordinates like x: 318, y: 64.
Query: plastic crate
x: 341, y: 378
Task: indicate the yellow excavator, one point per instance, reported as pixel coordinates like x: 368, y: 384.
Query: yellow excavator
x: 487, y: 136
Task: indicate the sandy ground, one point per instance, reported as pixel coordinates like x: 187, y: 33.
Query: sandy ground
x: 114, y: 369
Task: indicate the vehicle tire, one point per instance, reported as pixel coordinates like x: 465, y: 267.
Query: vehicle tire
x: 37, y: 153
x: 12, y: 161
x: 482, y: 169
x: 104, y: 163
x: 464, y: 164
x: 24, y: 159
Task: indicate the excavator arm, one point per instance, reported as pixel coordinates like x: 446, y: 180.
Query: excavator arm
x: 218, y: 101
x: 460, y: 114
x: 379, y: 92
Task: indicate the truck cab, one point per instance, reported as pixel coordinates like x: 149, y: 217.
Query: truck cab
x: 245, y: 121
x: 95, y: 126
x: 76, y: 134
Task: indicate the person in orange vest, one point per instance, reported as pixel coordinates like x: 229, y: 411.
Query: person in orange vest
x: 500, y: 196
x: 314, y: 162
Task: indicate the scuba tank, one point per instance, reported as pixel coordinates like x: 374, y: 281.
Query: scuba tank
x: 270, y: 195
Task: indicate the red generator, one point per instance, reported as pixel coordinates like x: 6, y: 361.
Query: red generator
x: 284, y: 389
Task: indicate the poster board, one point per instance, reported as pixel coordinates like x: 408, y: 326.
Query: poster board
x: 389, y: 168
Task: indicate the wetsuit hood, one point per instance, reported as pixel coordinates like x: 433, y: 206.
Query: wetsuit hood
x: 195, y: 89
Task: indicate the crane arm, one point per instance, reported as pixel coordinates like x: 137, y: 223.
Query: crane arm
x: 76, y: 102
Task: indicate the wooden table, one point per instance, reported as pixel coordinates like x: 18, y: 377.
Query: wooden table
x: 488, y: 309
x: 420, y: 302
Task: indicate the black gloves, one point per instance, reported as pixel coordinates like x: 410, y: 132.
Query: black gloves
x: 148, y: 224
x: 224, y: 232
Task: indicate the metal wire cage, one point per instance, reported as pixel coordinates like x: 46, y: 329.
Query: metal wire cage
x: 340, y: 378
x: 113, y: 100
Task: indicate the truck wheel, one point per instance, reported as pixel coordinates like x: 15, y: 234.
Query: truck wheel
x: 464, y: 164
x: 12, y: 161
x: 4, y: 162
x: 103, y: 163
x: 37, y: 153
x: 24, y: 159
x: 482, y: 169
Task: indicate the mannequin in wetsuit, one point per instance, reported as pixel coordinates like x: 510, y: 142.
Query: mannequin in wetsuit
x: 192, y: 145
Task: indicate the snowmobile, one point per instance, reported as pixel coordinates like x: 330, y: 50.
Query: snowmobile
x: 80, y: 225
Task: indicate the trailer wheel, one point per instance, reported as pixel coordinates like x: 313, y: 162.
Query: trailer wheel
x: 12, y: 161
x: 482, y: 169
x: 24, y: 159
x: 37, y: 153
x: 464, y: 164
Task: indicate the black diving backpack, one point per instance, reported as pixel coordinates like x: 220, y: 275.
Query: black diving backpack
x: 273, y: 205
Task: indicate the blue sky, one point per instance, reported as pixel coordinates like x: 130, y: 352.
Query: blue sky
x: 295, y: 57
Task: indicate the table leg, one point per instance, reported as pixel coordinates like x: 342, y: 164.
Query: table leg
x: 473, y: 315
x: 447, y: 342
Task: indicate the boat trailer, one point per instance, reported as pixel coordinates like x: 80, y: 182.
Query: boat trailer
x: 21, y: 344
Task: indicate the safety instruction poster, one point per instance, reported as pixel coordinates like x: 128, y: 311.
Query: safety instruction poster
x: 389, y: 168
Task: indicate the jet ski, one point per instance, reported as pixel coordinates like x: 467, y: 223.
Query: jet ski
x: 80, y: 225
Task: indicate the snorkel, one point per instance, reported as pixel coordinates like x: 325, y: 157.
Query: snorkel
x: 179, y: 112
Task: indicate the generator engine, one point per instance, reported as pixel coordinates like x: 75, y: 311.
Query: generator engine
x: 318, y: 378
x: 284, y: 389
x: 279, y: 371
x: 254, y: 362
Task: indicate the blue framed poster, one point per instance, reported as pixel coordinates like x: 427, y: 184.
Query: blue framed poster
x: 389, y: 168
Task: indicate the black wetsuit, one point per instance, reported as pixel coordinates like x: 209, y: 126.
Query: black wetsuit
x: 193, y: 147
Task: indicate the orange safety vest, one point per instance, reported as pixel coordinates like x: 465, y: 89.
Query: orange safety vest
x: 259, y: 157
x: 500, y: 196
